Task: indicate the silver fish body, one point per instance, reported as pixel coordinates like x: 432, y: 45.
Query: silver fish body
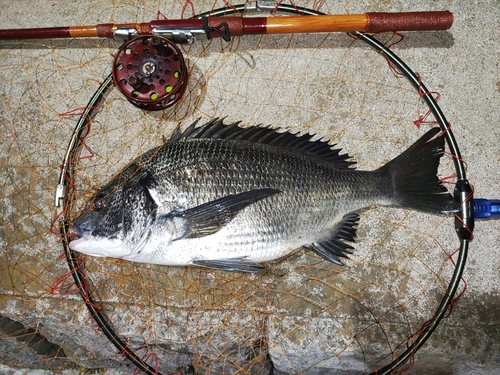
x: 225, y: 197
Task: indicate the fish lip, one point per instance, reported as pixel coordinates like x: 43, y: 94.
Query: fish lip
x: 94, y: 247
x: 77, y: 230
x: 73, y: 245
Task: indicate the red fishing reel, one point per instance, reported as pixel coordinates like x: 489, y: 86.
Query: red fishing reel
x: 150, y: 71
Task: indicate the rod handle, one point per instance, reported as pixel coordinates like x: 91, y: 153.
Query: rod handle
x: 409, y: 21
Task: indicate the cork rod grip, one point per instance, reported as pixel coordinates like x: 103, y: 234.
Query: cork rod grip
x: 409, y: 21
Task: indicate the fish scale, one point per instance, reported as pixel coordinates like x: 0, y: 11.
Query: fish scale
x: 227, y: 197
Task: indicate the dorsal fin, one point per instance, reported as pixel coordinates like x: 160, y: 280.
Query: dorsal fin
x: 216, y: 129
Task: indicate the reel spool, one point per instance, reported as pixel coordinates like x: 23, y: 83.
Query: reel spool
x: 150, y: 71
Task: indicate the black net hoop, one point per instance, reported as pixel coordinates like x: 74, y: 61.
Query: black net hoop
x: 464, y: 219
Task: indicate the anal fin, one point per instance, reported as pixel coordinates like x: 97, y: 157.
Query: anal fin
x: 234, y: 264
x: 333, y: 248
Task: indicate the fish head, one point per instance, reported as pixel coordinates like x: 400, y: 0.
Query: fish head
x: 116, y: 222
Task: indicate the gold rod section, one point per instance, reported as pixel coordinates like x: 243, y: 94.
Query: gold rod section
x: 316, y: 24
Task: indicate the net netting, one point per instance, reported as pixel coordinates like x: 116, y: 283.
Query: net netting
x: 302, y: 314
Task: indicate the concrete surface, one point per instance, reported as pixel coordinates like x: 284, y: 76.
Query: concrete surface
x: 302, y: 316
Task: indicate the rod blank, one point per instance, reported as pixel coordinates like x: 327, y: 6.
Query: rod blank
x: 237, y: 26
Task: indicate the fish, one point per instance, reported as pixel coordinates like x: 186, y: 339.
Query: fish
x: 228, y: 197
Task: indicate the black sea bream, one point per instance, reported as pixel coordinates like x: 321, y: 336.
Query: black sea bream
x: 227, y: 197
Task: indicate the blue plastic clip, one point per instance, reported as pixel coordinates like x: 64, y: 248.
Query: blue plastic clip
x: 486, y: 208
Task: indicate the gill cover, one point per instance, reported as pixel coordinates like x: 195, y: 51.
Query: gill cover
x: 118, y: 220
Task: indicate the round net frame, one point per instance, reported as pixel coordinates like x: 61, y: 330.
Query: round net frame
x: 464, y: 221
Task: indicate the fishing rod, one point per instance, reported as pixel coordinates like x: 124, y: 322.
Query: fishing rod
x: 188, y: 30
x: 149, y: 68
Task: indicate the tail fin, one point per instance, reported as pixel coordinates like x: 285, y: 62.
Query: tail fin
x: 414, y: 177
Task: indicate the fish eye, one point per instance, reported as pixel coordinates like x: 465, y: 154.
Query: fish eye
x: 98, y: 204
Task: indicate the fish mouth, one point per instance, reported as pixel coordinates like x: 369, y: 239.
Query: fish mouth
x: 81, y: 243
x: 77, y: 230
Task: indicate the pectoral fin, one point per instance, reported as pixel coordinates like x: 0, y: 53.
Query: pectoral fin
x: 334, y: 247
x: 235, y: 264
x: 210, y: 217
